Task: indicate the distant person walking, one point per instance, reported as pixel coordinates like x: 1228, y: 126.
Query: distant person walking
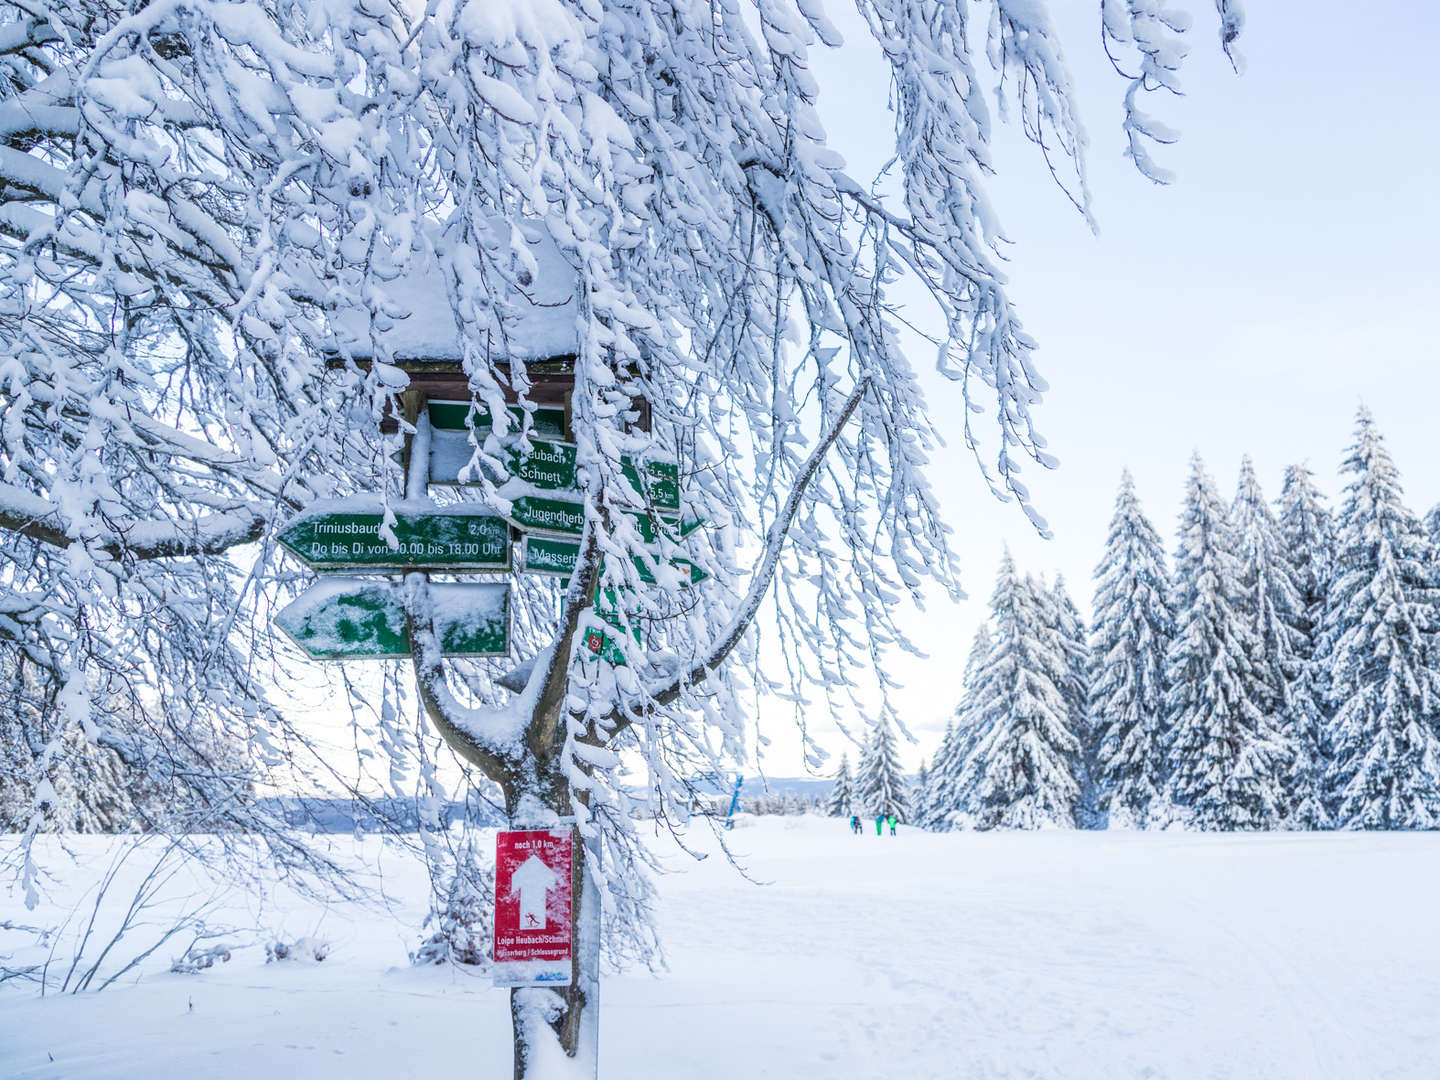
x: 893, y: 822
x: 855, y: 824
x: 879, y: 823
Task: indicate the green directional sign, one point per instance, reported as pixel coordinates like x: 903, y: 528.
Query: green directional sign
x: 675, y: 529
x: 551, y: 555
x: 604, y: 646
x: 547, y: 421
x: 340, y: 618
x: 540, y: 514
x: 449, y: 538
x: 550, y: 466
x: 548, y: 515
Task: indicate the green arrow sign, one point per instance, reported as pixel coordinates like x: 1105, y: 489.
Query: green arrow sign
x: 540, y: 514
x: 675, y: 529
x: 550, y: 555
x: 547, y: 422
x: 548, y: 515
x: 341, y: 618
x: 550, y: 466
x: 452, y: 538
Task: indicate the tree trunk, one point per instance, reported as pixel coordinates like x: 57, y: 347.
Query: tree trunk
x: 562, y: 1024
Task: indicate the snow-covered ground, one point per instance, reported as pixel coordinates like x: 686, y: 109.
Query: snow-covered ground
x: 1064, y: 955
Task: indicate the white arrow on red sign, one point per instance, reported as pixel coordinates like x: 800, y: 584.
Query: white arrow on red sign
x: 533, y: 907
x: 532, y: 883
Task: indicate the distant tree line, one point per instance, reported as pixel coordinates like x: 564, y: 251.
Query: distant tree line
x: 774, y: 802
x: 1285, y: 674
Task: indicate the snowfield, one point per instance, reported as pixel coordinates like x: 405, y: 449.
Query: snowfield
x: 1057, y: 955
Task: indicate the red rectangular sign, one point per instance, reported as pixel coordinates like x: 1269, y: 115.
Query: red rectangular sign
x: 533, y: 900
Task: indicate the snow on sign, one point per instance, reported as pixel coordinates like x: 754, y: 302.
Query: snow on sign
x: 533, y: 908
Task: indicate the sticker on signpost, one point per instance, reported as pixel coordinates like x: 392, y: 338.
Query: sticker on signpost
x: 533, y: 908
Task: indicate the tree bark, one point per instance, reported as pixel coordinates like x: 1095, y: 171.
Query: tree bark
x: 567, y: 1016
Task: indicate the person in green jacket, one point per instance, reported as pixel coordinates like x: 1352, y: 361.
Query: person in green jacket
x: 893, y: 822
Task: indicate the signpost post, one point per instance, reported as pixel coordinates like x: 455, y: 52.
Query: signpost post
x: 534, y: 892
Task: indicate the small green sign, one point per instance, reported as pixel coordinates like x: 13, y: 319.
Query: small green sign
x: 675, y: 529
x: 450, y: 538
x: 340, y: 618
x: 550, y: 466
x: 547, y: 421
x: 603, y: 645
x: 550, y: 555
x: 548, y: 515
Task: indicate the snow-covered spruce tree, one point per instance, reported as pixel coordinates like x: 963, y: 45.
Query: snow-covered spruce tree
x: 1129, y: 639
x: 929, y: 798
x: 841, y: 800
x: 1226, y: 762
x: 458, y: 928
x: 1271, y: 603
x: 934, y: 794
x: 1305, y: 531
x: 962, y: 732
x: 1023, y: 772
x: 881, y: 786
x: 916, y: 795
x: 1269, y: 597
x: 1432, y: 524
x: 1380, y: 650
x: 213, y: 210
x: 1069, y: 630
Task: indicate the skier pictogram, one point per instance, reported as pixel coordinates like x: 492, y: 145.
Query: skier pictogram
x: 532, y: 882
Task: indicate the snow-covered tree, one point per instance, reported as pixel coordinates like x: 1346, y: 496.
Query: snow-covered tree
x: 1432, y: 524
x: 841, y: 801
x: 1305, y: 530
x: 1130, y: 637
x: 219, y: 219
x: 962, y: 732
x: 1269, y: 597
x: 1023, y: 773
x: 937, y: 794
x: 1226, y: 760
x: 881, y: 786
x: 1070, y: 637
x: 1069, y: 630
x: 919, y: 786
x: 1271, y: 603
x: 1380, y: 650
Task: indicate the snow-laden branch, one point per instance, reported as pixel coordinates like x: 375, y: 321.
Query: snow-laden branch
x: 211, y: 534
x: 665, y: 691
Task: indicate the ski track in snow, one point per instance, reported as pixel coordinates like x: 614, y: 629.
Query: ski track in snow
x: 1007, y: 956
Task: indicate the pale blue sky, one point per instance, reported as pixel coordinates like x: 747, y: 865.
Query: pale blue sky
x: 1286, y: 276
